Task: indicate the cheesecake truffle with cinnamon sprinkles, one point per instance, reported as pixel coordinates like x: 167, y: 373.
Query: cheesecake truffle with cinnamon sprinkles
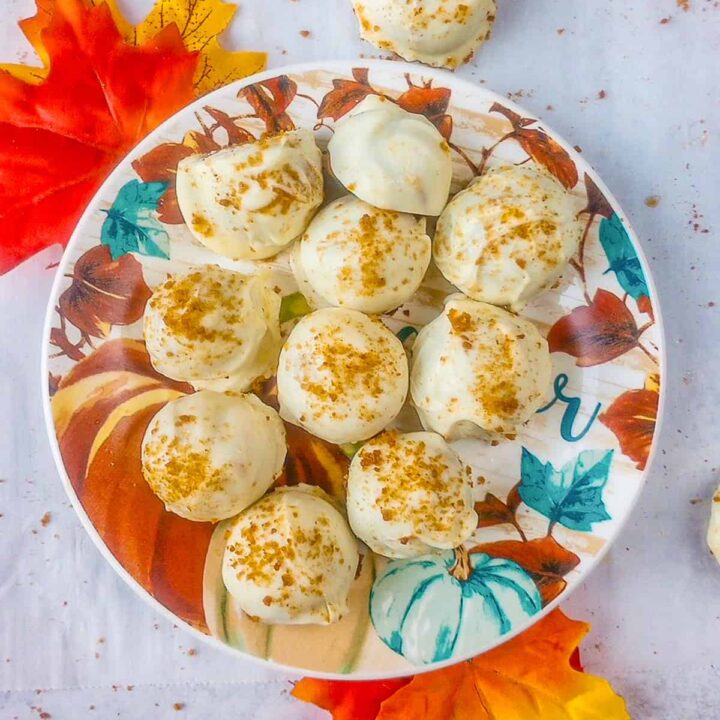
x: 357, y: 256
x: 209, y: 455
x: 391, y: 158
x: 508, y: 235
x: 478, y: 371
x: 343, y: 376
x: 408, y: 495
x: 248, y: 202
x: 290, y: 558
x: 443, y: 33
x: 214, y: 328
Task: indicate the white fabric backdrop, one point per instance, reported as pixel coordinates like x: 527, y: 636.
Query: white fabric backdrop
x: 73, y: 637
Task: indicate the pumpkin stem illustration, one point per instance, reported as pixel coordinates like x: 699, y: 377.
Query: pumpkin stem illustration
x: 462, y: 569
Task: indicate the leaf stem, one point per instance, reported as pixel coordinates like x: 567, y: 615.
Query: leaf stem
x: 487, y: 152
x: 648, y: 353
x: 579, y: 264
x: 645, y: 327
x: 465, y: 157
x: 522, y: 534
x: 308, y: 97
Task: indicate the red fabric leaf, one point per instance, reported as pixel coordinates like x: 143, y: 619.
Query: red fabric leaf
x: 100, y: 98
x: 597, y: 333
x: 270, y: 99
x: 546, y: 152
x: 632, y: 418
x: 348, y: 700
x: 104, y: 292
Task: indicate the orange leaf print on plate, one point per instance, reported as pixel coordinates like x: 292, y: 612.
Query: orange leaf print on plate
x: 430, y: 102
x: 160, y: 165
x: 544, y: 558
x: 539, y: 146
x: 270, y: 99
x: 104, y: 292
x: 595, y: 333
x: 632, y: 418
x: 345, y: 95
x: 531, y: 677
x: 546, y: 152
x: 99, y: 99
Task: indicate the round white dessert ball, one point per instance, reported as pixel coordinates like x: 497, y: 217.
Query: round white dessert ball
x: 478, y: 371
x: 343, y: 376
x: 209, y: 455
x: 291, y: 558
x: 508, y: 235
x: 408, y: 495
x: 214, y: 328
x: 357, y: 256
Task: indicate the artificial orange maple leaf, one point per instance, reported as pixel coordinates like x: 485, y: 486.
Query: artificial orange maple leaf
x: 528, y: 678
x: 200, y: 23
x: 60, y: 139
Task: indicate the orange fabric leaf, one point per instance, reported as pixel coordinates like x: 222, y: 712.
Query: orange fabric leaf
x: 531, y: 677
x: 59, y: 139
x: 595, y: 333
x: 632, y: 418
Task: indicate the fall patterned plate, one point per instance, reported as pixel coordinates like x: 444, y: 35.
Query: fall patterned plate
x: 549, y: 502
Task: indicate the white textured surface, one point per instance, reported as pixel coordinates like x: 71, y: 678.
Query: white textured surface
x: 655, y: 600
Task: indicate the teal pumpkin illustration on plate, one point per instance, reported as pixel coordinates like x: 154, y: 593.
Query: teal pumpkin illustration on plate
x: 437, y: 607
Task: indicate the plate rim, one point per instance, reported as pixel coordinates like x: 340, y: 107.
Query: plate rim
x: 451, y: 81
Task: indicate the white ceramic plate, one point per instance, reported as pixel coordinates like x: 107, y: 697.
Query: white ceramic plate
x: 550, y: 502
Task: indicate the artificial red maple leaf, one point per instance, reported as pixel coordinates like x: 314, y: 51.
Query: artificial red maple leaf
x: 632, y: 418
x: 270, y: 99
x: 345, y: 95
x: 544, y: 559
x: 595, y: 333
x: 100, y: 98
x: 349, y: 700
x: 104, y: 292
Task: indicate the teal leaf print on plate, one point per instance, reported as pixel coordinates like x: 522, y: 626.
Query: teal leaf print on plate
x: 437, y: 607
x: 131, y: 225
x: 571, y: 496
x: 622, y: 256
